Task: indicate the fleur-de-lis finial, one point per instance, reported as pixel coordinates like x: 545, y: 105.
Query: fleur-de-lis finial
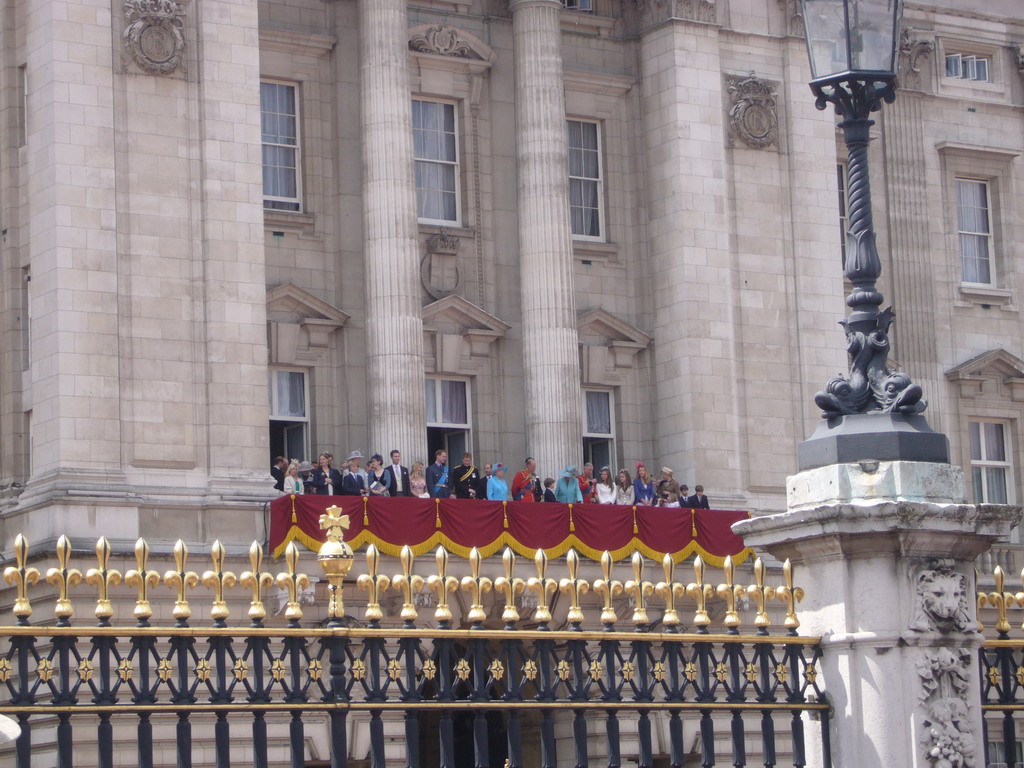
x: 762, y: 595
x: 182, y: 580
x: 543, y: 586
x: 63, y: 578
x: 731, y: 591
x: 258, y: 581
x: 407, y: 583
x: 509, y: 586
x: 639, y: 590
x: 700, y: 592
x: 292, y: 581
x: 21, y: 576
x: 477, y: 586
x: 608, y: 588
x: 103, y: 578
x: 374, y: 583
x: 670, y: 590
x: 218, y: 580
x: 142, y: 579
x: 1001, y: 600
x: 442, y: 584
x: 575, y: 587
x: 790, y: 595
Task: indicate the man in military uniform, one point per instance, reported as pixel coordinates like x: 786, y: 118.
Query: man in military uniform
x: 466, y: 478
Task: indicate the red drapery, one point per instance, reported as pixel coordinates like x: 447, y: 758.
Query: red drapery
x: 459, y: 525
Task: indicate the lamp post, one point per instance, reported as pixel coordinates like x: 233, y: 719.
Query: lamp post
x: 873, y: 412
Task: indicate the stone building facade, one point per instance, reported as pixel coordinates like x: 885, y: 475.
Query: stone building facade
x: 599, y: 229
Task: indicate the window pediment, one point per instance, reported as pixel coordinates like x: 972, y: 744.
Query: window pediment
x: 460, y: 334
x: 443, y: 43
x: 299, y: 323
x: 995, y: 373
x: 600, y: 327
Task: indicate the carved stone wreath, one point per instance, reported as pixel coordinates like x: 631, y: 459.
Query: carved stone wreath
x: 946, y: 738
x: 442, y: 39
x: 753, y: 117
x: 154, y: 35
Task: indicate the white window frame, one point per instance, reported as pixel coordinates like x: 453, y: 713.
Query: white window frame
x: 583, y: 6
x: 967, y: 67
x: 278, y: 416
x: 989, y: 236
x: 456, y: 164
x: 601, y: 229
x: 468, y: 424
x: 610, y: 436
x: 297, y: 146
x: 981, y: 495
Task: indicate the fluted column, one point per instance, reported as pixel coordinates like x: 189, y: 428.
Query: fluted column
x: 550, y: 343
x: 394, y: 325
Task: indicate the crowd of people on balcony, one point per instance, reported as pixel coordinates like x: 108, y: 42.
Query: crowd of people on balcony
x: 467, y: 481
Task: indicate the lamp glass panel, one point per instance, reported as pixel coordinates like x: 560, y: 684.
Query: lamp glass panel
x: 873, y: 30
x: 851, y: 35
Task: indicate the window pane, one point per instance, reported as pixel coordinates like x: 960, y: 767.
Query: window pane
x: 599, y: 415
x: 953, y: 65
x: 453, y: 402
x: 431, y: 396
x: 978, y: 482
x: 974, y: 428
x: 291, y: 394
x: 995, y: 449
x: 995, y: 485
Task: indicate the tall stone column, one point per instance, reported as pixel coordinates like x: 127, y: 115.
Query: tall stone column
x: 886, y: 552
x: 551, y: 364
x: 394, y: 324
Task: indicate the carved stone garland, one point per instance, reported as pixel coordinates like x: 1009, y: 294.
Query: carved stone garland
x: 154, y: 35
x: 655, y: 11
x: 941, y: 606
x: 911, y: 52
x: 753, y: 115
x: 794, y: 16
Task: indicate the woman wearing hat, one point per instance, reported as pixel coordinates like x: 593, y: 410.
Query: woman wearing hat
x: 668, y: 489
x: 567, y: 489
x: 497, y: 488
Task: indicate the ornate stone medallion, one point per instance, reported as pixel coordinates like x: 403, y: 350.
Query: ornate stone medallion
x: 752, y: 114
x: 154, y: 34
x: 441, y: 39
x: 439, y: 269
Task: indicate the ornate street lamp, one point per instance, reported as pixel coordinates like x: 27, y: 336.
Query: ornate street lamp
x: 873, y: 413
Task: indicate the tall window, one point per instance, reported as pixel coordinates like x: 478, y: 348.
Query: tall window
x: 448, y: 412
x: 974, y: 228
x: 585, y: 189
x: 599, y: 428
x: 990, y: 462
x: 280, y: 128
x: 844, y: 207
x: 579, y: 5
x: 435, y: 147
x: 968, y: 67
x: 289, y: 413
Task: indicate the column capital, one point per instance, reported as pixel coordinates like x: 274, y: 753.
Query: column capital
x: 518, y: 5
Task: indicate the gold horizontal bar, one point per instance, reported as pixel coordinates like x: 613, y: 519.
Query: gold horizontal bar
x: 424, y: 633
x: 1017, y: 644
x: 243, y: 707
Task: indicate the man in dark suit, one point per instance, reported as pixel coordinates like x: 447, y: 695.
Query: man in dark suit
x: 439, y: 484
x: 698, y: 500
x: 466, y: 478
x: 277, y: 471
x: 396, y: 477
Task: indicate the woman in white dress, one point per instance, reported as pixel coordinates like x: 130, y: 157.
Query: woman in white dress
x: 292, y: 481
x: 605, y: 488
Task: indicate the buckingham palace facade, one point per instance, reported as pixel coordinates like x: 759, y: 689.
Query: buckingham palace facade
x: 581, y: 230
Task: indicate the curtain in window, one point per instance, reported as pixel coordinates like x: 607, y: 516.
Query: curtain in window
x: 291, y: 394
x: 431, y: 397
x: 453, y: 402
x: 972, y: 221
x: 599, y: 413
x: 995, y: 447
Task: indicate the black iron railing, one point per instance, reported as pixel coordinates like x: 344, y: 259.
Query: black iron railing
x: 502, y: 679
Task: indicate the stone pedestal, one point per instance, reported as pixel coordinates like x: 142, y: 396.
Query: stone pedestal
x: 885, y: 551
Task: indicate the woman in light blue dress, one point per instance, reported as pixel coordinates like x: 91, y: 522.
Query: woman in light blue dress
x: 497, y: 488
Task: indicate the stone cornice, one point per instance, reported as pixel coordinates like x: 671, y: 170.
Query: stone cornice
x: 298, y: 43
